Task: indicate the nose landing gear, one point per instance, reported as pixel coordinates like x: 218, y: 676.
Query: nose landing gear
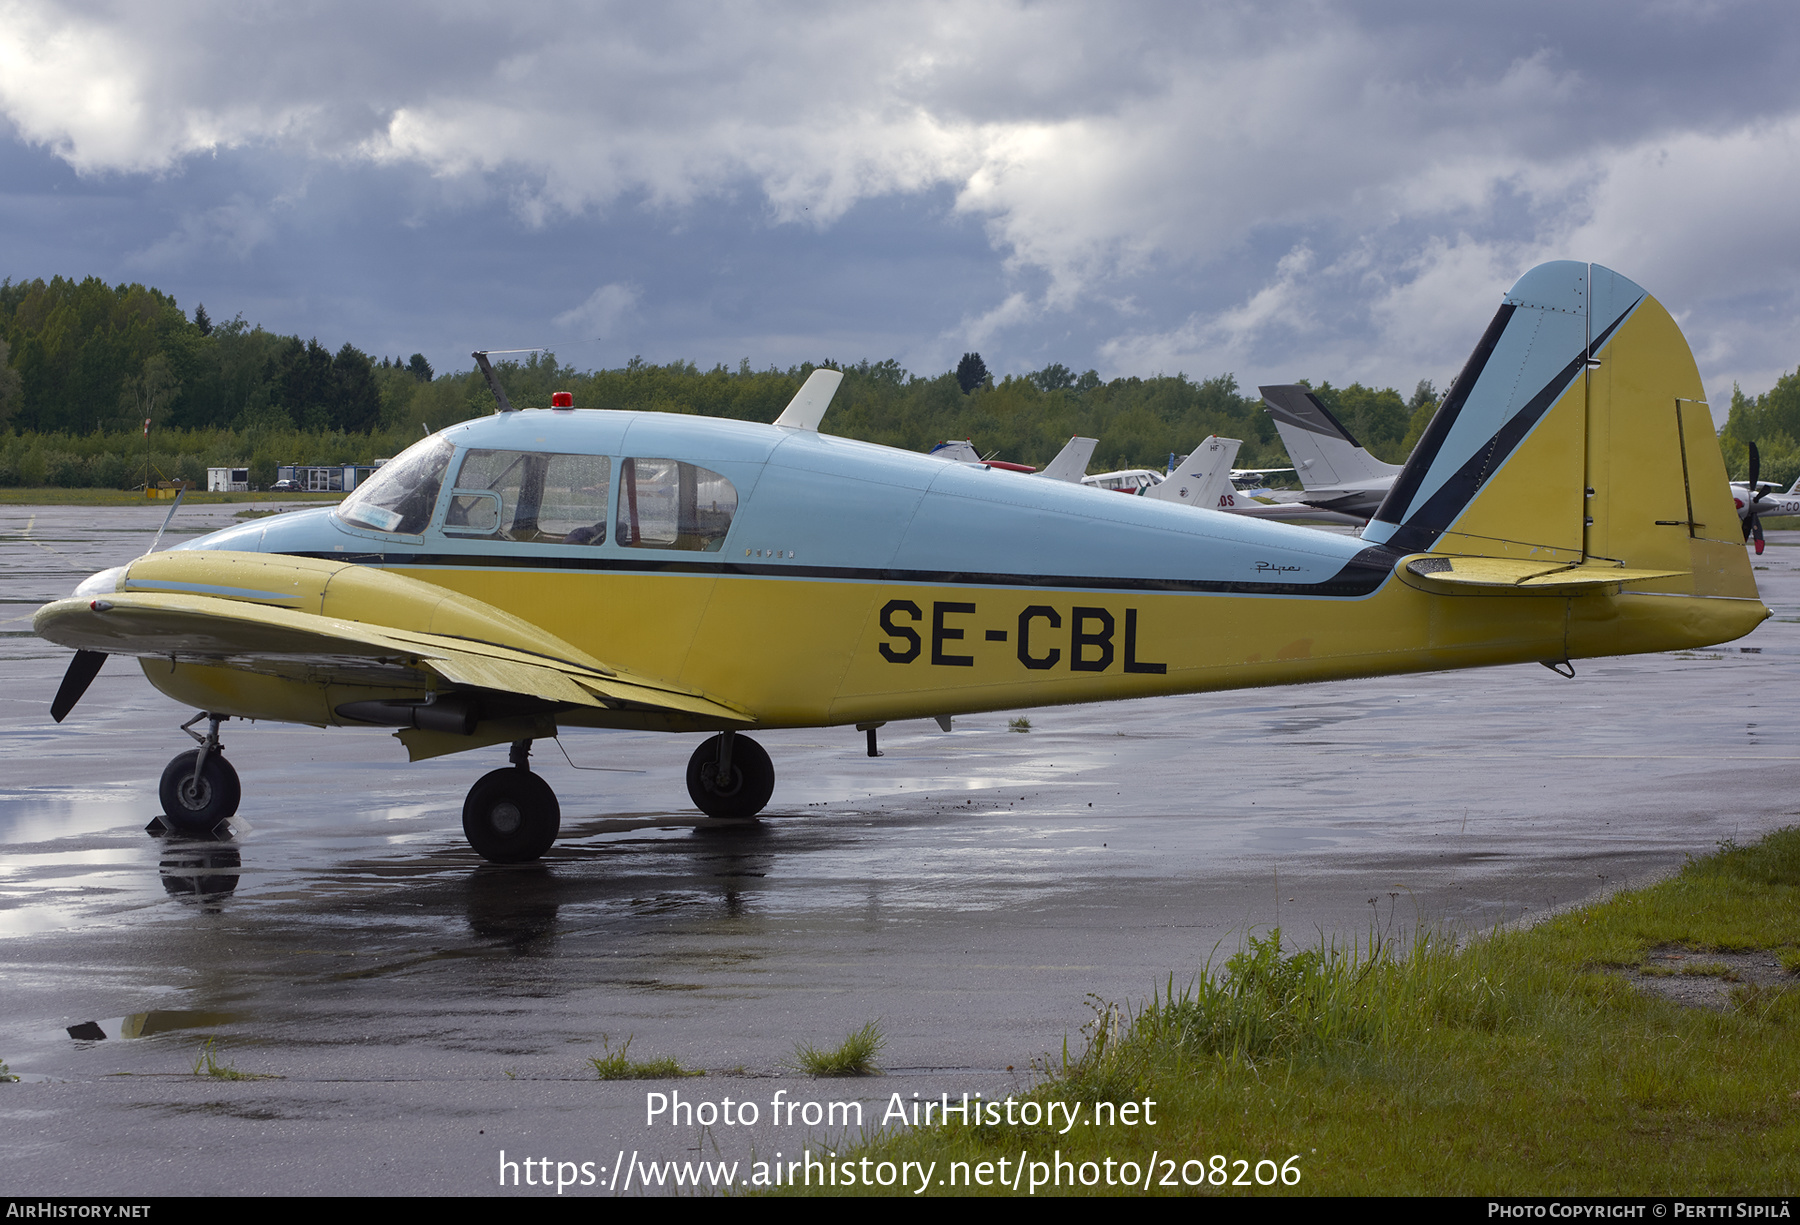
x: 511, y: 815
x: 199, y: 788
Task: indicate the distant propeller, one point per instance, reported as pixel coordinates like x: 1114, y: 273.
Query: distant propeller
x: 1753, y: 517
x: 82, y: 670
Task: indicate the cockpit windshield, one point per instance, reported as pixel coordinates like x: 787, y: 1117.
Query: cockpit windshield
x: 402, y: 495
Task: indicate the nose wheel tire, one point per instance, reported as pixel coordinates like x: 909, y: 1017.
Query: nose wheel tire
x: 745, y: 793
x: 196, y: 806
x: 511, y: 816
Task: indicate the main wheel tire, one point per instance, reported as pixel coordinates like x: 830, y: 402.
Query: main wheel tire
x: 511, y: 816
x: 748, y: 789
x: 193, y: 806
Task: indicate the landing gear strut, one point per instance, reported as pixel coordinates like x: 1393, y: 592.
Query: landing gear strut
x: 730, y: 776
x: 199, y: 788
x: 511, y: 815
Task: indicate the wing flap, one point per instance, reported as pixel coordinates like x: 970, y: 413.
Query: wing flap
x: 509, y: 676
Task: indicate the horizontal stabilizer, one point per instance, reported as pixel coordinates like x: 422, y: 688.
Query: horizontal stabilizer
x: 1519, y: 574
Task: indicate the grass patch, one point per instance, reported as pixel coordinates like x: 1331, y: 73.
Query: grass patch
x: 616, y: 1065
x: 6, y: 1075
x: 124, y: 497
x: 1711, y: 969
x: 1522, y: 1063
x: 856, y: 1057
x: 1021, y: 724
x: 206, y: 1063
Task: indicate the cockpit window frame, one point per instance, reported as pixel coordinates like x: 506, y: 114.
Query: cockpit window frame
x: 432, y: 516
x: 454, y: 488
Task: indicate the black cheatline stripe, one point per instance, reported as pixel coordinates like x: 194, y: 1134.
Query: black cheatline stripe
x: 1359, y: 576
x: 1425, y: 451
x: 1442, y: 508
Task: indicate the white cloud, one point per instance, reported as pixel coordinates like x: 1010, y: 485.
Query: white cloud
x: 600, y: 315
x: 1420, y: 157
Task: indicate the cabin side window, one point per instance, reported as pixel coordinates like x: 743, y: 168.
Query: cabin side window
x: 668, y: 504
x: 401, y: 496
x: 530, y: 497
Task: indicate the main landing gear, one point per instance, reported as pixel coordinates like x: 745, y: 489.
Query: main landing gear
x: 199, y: 788
x: 730, y: 776
x: 511, y: 815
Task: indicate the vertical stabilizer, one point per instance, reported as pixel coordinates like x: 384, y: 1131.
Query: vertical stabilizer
x: 1576, y: 434
x: 1071, y: 463
x: 1325, y: 454
x: 1203, y: 477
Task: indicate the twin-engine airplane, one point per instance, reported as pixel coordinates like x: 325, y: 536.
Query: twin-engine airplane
x: 533, y: 571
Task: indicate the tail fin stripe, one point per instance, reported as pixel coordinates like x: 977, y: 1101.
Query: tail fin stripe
x: 1416, y: 527
x: 1425, y: 453
x: 1330, y: 426
x: 1427, y: 522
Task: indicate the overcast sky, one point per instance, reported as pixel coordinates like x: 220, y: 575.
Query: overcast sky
x: 1276, y: 190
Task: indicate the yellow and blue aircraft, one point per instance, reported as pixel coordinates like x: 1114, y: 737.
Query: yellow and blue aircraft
x: 539, y: 570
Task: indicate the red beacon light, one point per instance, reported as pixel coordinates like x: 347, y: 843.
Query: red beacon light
x: 562, y: 399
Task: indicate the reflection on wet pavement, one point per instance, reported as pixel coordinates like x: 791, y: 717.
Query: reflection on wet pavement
x: 968, y: 889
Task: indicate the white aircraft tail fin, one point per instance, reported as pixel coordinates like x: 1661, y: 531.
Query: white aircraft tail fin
x: 1203, y: 477
x: 807, y: 408
x: 1325, y: 454
x: 1071, y: 463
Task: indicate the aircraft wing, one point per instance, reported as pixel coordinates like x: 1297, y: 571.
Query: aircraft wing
x: 286, y: 642
x: 371, y: 629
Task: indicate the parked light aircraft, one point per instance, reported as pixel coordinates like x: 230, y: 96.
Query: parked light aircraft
x: 1337, y: 472
x: 1125, y: 480
x: 1204, y: 480
x: 533, y: 571
x: 1755, y: 498
x: 1067, y: 465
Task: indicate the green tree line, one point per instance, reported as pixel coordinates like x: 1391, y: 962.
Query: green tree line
x: 84, y: 364
x: 1771, y: 421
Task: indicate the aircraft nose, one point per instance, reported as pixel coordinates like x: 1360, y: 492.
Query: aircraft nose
x: 103, y: 583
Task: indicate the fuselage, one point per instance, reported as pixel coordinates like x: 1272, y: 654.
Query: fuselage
x: 815, y: 580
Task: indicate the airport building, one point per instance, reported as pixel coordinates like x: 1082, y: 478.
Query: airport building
x: 228, y: 480
x: 326, y: 478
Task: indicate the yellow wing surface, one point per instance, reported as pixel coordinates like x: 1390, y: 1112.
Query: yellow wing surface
x: 232, y: 623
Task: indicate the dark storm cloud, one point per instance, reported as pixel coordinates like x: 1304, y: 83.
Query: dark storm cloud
x: 1277, y: 189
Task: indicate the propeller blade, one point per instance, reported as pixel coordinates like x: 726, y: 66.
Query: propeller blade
x: 82, y: 670
x: 1753, y: 525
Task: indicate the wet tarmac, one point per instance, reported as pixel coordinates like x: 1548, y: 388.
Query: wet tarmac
x: 424, y: 1011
